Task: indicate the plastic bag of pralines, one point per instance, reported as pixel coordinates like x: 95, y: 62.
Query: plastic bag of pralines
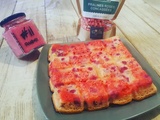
x: 96, y: 18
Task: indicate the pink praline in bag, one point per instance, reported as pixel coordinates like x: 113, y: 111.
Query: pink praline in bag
x: 96, y: 18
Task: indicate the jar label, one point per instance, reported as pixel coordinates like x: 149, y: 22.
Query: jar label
x: 96, y: 32
x: 27, y: 36
x: 103, y: 9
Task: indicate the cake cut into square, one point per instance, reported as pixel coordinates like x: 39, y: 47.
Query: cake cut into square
x: 92, y: 75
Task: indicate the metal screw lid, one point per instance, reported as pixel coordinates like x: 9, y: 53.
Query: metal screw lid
x: 12, y: 17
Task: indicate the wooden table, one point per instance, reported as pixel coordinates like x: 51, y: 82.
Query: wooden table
x: 138, y: 22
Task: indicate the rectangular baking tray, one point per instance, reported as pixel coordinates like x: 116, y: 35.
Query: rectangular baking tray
x: 134, y: 110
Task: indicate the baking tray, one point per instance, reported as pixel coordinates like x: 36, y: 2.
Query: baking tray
x: 127, y: 111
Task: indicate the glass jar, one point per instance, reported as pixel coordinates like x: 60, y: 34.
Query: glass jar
x: 21, y: 34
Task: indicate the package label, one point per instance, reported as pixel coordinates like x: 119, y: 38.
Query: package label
x: 96, y: 33
x: 100, y: 8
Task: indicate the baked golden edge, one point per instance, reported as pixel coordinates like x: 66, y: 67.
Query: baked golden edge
x: 144, y: 92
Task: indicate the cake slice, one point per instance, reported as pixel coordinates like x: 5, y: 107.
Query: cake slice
x: 144, y: 92
x: 68, y: 99
x: 58, y: 50
x: 94, y: 94
x: 143, y: 85
x: 120, y: 92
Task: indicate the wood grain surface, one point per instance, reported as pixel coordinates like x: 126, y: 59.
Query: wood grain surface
x: 57, y: 20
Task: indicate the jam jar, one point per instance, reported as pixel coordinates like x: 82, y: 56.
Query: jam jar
x: 21, y: 34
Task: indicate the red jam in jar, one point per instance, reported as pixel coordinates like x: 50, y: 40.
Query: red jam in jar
x: 21, y: 34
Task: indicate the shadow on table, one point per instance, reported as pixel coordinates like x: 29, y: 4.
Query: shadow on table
x: 32, y: 56
x: 8, y: 57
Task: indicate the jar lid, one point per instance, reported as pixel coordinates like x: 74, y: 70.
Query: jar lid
x: 12, y: 17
